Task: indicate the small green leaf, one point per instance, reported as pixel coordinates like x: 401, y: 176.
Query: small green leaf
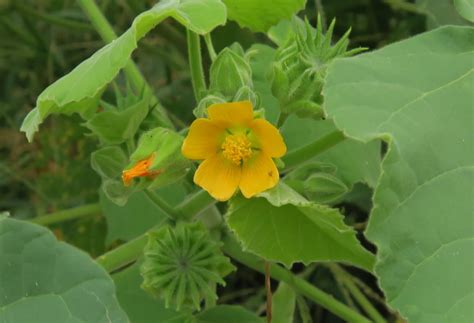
x: 465, y: 9
x: 417, y: 95
x: 282, y: 226
x: 260, y: 15
x: 114, y: 127
x: 109, y: 162
x: 44, y: 280
x: 80, y: 90
x: 283, y: 304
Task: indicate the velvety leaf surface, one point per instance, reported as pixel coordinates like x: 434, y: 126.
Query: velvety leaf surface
x: 79, y: 90
x: 43, y: 280
x: 418, y: 96
x: 282, y: 226
x: 260, y: 15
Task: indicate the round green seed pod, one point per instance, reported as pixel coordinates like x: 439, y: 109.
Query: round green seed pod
x: 181, y: 264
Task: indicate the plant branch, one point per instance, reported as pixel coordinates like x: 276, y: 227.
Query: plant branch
x: 366, y: 305
x: 309, y: 151
x: 268, y: 288
x: 195, y: 64
x: 131, y: 251
x: 66, y: 215
x: 300, y: 285
x: 131, y: 70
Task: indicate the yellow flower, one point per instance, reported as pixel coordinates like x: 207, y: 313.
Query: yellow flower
x: 237, y: 151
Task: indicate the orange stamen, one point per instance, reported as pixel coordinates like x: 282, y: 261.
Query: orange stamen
x: 139, y: 170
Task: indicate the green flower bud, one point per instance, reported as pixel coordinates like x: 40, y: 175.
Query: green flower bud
x: 229, y: 72
x: 157, y: 159
x: 181, y: 263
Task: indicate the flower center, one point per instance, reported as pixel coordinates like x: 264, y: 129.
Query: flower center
x: 237, y: 148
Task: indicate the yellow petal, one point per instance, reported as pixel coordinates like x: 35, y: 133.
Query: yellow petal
x: 270, y: 138
x: 230, y: 114
x: 202, y: 140
x: 258, y: 174
x: 218, y: 176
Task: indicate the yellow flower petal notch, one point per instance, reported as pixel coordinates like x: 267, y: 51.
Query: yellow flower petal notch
x: 140, y: 169
x: 237, y: 151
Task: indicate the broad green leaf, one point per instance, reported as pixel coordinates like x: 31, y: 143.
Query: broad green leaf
x: 139, y: 214
x: 80, y: 90
x: 227, y: 314
x: 283, y: 304
x: 282, y: 226
x: 418, y: 96
x: 465, y: 9
x: 43, y: 280
x: 260, y: 15
x: 139, y: 305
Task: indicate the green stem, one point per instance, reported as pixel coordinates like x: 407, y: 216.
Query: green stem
x: 195, y: 204
x: 346, y: 279
x: 162, y: 204
x: 195, y: 64
x: 66, y: 215
x: 307, y: 152
x: 130, y: 251
x: 210, y: 47
x: 123, y: 255
x: 300, y: 285
x: 68, y: 23
x: 131, y: 70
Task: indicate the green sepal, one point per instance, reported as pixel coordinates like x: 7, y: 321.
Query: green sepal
x: 245, y: 93
x: 201, y: 110
x: 229, y: 72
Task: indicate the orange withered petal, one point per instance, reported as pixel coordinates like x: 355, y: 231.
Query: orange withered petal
x: 140, y: 169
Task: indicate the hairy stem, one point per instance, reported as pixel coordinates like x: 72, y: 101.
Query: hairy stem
x: 268, y: 288
x: 66, y: 215
x: 210, y: 47
x: 307, y: 152
x: 300, y: 285
x: 195, y: 64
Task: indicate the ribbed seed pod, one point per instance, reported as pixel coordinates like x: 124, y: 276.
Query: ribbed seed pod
x: 182, y: 263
